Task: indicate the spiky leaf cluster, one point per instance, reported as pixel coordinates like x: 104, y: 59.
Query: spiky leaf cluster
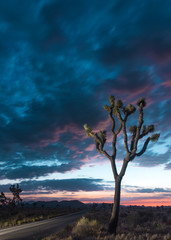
x: 88, y: 130
x: 115, y: 110
x: 2, y: 195
x: 141, y: 102
x: 107, y: 108
x: 15, y: 190
x: 3, y: 199
x: 133, y: 129
x: 155, y: 137
x: 118, y: 104
x: 103, y: 136
x: 112, y: 100
x: 150, y: 128
x: 129, y: 109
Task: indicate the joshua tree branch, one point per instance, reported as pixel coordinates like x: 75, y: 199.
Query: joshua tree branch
x: 112, y: 160
x: 106, y: 154
x: 138, y: 128
x: 113, y: 163
x: 114, y: 169
x: 132, y: 142
x: 119, y: 115
x: 119, y: 129
x: 113, y: 121
x: 125, y: 134
x: 114, y: 146
x: 99, y: 148
x: 144, y: 147
x: 98, y: 142
x: 114, y: 134
x: 123, y: 126
x: 124, y: 166
x: 148, y: 130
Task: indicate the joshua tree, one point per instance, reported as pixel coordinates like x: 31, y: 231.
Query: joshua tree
x: 3, y: 199
x: 118, y: 112
x: 15, y: 201
x: 16, y: 195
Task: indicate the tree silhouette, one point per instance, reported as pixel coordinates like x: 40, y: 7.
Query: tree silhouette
x: 3, y: 199
x: 16, y: 201
x: 118, y: 112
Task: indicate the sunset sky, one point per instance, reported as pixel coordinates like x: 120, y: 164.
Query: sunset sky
x: 60, y: 60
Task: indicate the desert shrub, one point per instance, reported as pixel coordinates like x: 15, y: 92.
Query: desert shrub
x: 139, y: 218
x: 133, y: 219
x: 164, y: 219
x: 169, y: 211
x: 123, y: 214
x: 143, y: 236
x: 101, y: 216
x: 145, y: 215
x: 5, y: 224
x: 168, y: 221
x: 132, y: 226
x: 68, y: 228
x: 19, y: 222
x: 84, y: 228
x: 156, y: 224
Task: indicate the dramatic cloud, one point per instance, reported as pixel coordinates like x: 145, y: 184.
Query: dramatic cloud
x: 150, y: 190
x: 60, y: 61
x: 24, y: 171
x: 168, y: 166
x: 72, y: 185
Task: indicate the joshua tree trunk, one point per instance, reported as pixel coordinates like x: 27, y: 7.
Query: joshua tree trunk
x: 115, y: 210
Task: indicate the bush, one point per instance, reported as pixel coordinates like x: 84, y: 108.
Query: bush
x: 19, y: 222
x: 6, y: 224
x: 135, y: 223
x: 85, y: 228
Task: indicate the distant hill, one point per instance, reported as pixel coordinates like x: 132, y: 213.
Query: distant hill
x: 73, y: 204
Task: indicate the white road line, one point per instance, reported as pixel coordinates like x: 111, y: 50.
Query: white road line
x: 33, y: 224
x: 25, y: 226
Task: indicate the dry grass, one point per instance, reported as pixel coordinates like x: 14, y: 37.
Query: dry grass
x: 134, y: 224
x: 26, y: 215
x: 85, y: 228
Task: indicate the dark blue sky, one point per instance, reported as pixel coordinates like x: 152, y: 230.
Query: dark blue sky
x: 59, y: 62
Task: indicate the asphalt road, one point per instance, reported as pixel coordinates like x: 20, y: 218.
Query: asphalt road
x: 38, y: 230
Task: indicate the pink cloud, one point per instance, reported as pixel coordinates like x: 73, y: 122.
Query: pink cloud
x: 90, y: 147
x: 166, y: 83
x: 85, y: 160
x: 102, y: 125
x: 101, y: 196
x: 162, y: 58
x: 148, y: 202
x: 78, y: 132
x: 74, y: 148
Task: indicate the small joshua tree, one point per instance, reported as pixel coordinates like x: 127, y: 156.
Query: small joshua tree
x: 117, y: 111
x: 16, y: 201
x: 3, y: 199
